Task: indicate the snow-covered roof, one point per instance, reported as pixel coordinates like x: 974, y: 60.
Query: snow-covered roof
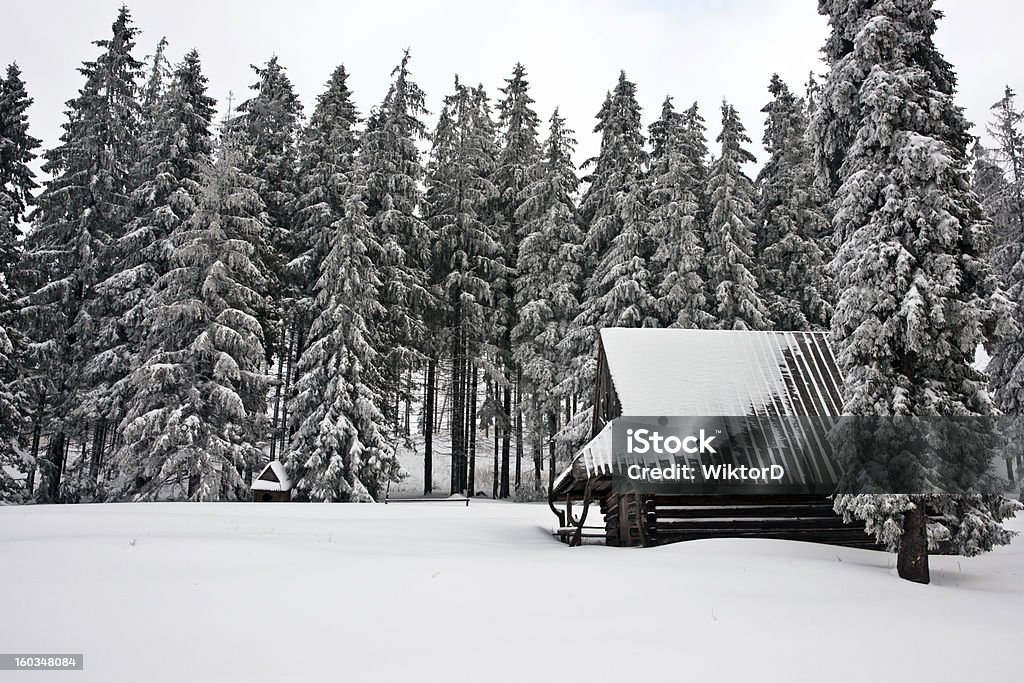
x: 722, y: 372
x: 596, y: 458
x: 272, y: 478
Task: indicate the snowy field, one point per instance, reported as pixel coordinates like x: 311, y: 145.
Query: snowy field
x: 441, y: 592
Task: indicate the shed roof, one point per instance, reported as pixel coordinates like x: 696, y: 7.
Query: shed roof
x: 722, y: 372
x: 273, y: 477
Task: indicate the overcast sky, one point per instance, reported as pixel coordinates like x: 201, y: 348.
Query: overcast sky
x: 702, y: 50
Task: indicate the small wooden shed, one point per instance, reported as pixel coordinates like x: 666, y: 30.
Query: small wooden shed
x: 673, y: 372
x: 272, y: 485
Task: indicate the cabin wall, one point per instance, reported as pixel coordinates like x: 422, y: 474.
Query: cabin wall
x: 606, y: 400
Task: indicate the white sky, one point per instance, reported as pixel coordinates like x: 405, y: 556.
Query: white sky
x: 700, y: 50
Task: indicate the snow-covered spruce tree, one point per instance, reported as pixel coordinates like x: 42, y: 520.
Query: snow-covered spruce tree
x: 519, y: 149
x: 82, y: 210
x: 915, y: 298
x: 269, y: 124
x: 1004, y: 200
x: 735, y: 300
x: 1008, y: 154
x: 617, y: 244
x: 468, y: 256
x: 674, y: 199
x: 990, y: 184
x: 548, y: 274
x: 17, y: 151
x: 327, y: 149
x: 198, y: 400
x: 339, y: 449
x: 394, y: 174
x: 793, y: 280
x: 693, y: 123
x: 176, y: 151
x: 159, y: 72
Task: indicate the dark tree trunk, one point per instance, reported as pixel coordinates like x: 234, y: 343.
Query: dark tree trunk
x: 37, y: 432
x: 428, y: 430
x: 292, y: 376
x: 99, y: 441
x: 552, y: 430
x: 453, y: 420
x: 537, y: 464
x: 277, y: 406
x: 471, y: 481
x: 519, y: 430
x: 912, y: 559
x: 506, y: 438
x: 408, y: 400
x: 497, y: 467
x: 53, y: 468
x: 458, y: 421
x: 466, y: 409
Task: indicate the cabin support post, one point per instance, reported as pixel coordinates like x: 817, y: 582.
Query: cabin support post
x: 577, y: 538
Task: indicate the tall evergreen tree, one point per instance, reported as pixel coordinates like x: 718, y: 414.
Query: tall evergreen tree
x: 916, y: 299
x: 518, y: 123
x: 176, y: 152
x: 732, y: 286
x: 548, y: 271
x: 1004, y: 194
x: 468, y: 257
x: 328, y: 149
x: 159, y: 75
x: 83, y: 209
x: 794, y: 285
x: 17, y: 151
x: 394, y: 177
x: 269, y: 124
x: 193, y: 426
x: 675, y: 190
x: 339, y: 449
x: 520, y: 150
x: 617, y: 244
x: 697, y: 135
x: 328, y: 153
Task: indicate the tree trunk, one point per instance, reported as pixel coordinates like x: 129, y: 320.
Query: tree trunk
x: 458, y: 420
x: 54, y: 467
x: 428, y: 431
x: 506, y: 444
x: 471, y: 477
x: 290, y: 375
x: 277, y: 406
x: 552, y: 429
x: 37, y: 432
x: 408, y: 400
x: 537, y: 462
x: 519, y: 429
x: 912, y: 559
x: 497, y: 467
x: 99, y: 441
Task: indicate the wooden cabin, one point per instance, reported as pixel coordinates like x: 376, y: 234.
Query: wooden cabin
x: 272, y: 485
x: 672, y: 372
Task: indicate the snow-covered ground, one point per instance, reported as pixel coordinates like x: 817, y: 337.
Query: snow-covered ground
x: 441, y: 592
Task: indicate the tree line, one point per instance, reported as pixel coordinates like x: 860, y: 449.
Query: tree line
x: 193, y: 297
